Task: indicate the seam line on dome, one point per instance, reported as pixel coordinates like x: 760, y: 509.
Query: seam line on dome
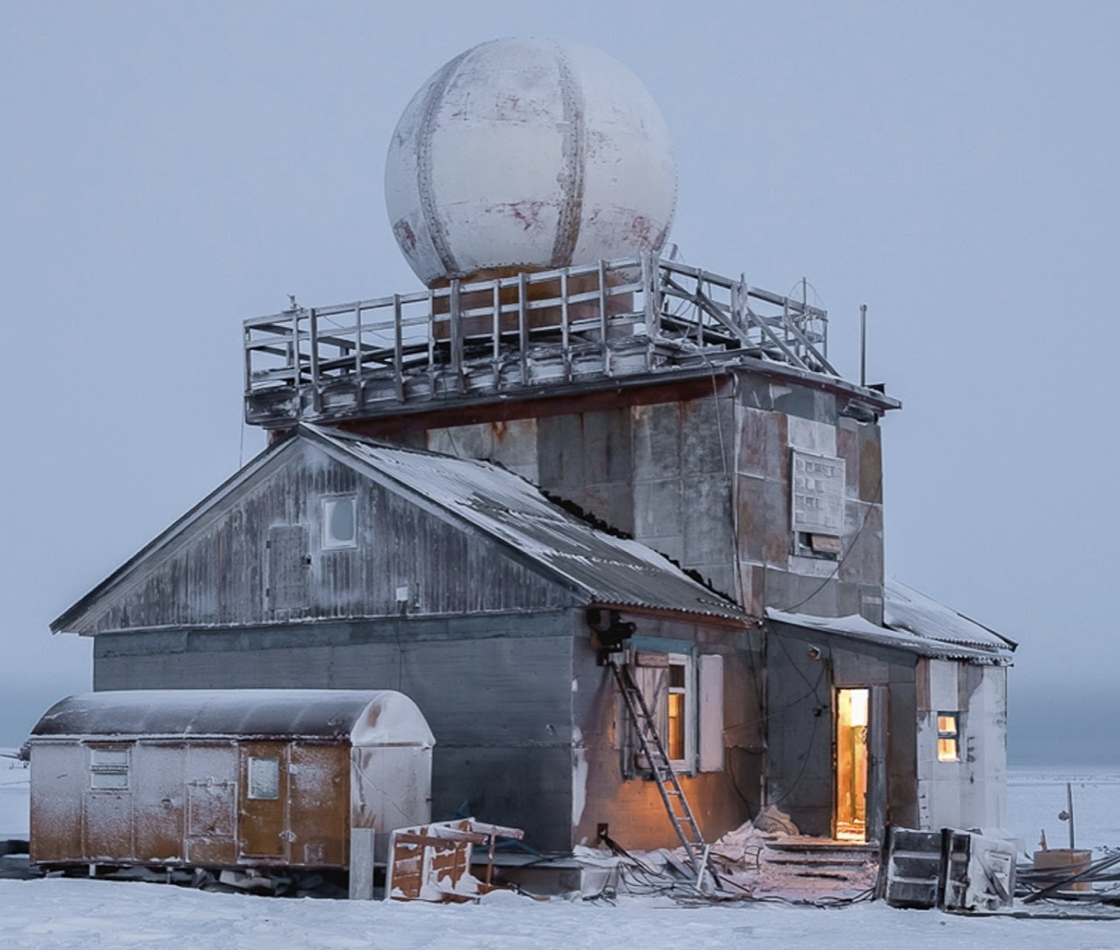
x: 574, y: 158
x: 424, y: 171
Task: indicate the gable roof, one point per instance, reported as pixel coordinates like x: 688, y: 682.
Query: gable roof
x: 915, y: 623
x: 601, y: 569
x: 609, y: 570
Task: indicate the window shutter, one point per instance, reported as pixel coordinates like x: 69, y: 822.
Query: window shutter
x: 711, y: 713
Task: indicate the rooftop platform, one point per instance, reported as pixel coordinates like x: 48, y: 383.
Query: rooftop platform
x: 608, y: 324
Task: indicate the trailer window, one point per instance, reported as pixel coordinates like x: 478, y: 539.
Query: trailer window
x: 108, y: 768
x: 264, y: 777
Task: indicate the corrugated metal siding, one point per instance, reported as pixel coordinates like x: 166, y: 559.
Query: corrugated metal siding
x: 506, y: 507
x: 906, y: 609
x: 856, y: 628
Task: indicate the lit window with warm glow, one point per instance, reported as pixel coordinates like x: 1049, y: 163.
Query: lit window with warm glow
x: 675, y: 744
x: 948, y: 737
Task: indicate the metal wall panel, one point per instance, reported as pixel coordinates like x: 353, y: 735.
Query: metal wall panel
x: 799, y: 697
x: 496, y: 692
x: 631, y: 807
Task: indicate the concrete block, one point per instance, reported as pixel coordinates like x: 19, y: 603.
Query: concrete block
x: 361, y: 864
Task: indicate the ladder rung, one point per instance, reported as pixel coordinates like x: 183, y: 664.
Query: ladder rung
x: 658, y: 761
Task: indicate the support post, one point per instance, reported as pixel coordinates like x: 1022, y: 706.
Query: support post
x: 523, y: 326
x: 456, y: 327
x: 496, y: 340
x: 398, y: 348
x: 361, y: 864
x: 603, y: 317
x: 863, y: 345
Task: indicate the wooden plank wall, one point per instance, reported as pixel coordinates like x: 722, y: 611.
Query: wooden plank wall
x: 219, y: 572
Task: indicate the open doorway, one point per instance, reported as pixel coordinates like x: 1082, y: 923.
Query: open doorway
x: 852, y: 719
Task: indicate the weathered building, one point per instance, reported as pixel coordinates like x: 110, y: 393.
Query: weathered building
x: 463, y: 482
x: 333, y: 562
x: 221, y: 778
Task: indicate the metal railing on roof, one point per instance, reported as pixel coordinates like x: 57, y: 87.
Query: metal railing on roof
x: 614, y: 318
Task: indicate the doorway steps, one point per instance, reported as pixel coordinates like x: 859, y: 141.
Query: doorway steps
x: 815, y: 868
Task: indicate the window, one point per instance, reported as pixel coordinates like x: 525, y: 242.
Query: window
x: 264, y: 777
x: 340, y: 528
x: 817, y: 504
x: 677, y: 695
x: 948, y: 737
x: 108, y: 768
x: 685, y: 697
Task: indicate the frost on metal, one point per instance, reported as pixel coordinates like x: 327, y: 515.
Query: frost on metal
x: 225, y: 778
x: 915, y: 623
x: 525, y: 154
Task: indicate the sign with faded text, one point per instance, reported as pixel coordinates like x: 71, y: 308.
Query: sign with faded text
x: 818, y: 494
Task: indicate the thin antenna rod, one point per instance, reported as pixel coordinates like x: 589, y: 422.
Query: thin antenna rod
x: 863, y: 345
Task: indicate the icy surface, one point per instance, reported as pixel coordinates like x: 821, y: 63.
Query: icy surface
x: 1037, y: 794
x: 63, y: 914
x: 60, y: 914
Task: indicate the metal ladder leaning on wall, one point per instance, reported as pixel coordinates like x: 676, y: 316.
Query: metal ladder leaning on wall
x: 649, y: 741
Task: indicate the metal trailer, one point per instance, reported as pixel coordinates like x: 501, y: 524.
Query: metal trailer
x: 259, y: 779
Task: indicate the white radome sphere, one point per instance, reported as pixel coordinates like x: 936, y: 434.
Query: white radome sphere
x: 528, y: 154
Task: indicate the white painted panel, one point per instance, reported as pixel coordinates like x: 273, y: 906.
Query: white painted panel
x: 984, y: 791
x: 944, y: 692
x: 812, y: 436
x: 939, y: 783
x: 711, y: 713
x: 818, y: 494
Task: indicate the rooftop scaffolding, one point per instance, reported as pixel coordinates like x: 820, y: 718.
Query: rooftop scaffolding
x: 518, y: 335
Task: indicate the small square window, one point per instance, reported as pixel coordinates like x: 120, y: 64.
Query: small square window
x: 340, y: 523
x: 108, y: 768
x: 948, y: 737
x: 264, y: 777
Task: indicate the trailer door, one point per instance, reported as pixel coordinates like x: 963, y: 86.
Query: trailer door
x: 263, y: 830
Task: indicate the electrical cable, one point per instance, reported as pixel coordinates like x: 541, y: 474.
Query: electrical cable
x: 878, y: 500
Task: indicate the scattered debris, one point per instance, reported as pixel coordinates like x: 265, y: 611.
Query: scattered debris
x: 432, y: 862
x: 950, y: 869
x: 746, y: 864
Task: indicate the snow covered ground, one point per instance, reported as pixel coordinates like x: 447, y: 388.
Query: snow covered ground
x: 1036, y: 795
x: 13, y: 797
x: 64, y: 914
x: 59, y: 914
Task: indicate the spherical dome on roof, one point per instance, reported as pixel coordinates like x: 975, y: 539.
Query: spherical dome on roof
x: 527, y: 154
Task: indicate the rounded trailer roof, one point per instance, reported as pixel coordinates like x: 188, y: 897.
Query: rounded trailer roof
x: 360, y: 717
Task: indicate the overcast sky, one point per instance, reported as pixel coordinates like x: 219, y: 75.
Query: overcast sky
x: 169, y: 169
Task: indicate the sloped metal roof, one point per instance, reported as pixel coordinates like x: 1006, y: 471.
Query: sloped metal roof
x: 906, y: 609
x: 915, y: 623
x: 360, y: 717
x: 610, y: 570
